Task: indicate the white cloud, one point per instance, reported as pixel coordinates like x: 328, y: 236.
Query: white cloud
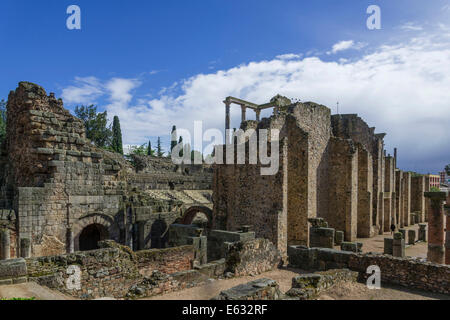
x: 411, y: 26
x: 346, y: 45
x: 84, y: 91
x: 401, y: 89
x: 288, y: 56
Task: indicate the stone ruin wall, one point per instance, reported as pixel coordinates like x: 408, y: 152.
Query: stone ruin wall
x: 261, y: 205
x: 333, y: 167
x: 57, y: 182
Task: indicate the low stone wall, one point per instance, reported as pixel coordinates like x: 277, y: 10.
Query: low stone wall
x: 261, y: 289
x: 406, y: 272
x: 168, y: 260
x: 107, y: 272
x: 252, y: 257
x: 309, y: 286
x: 13, y: 271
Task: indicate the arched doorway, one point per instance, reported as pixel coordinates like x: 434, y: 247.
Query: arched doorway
x: 198, y: 214
x: 91, y: 235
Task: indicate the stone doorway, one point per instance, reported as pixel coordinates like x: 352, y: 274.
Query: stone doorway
x: 91, y: 235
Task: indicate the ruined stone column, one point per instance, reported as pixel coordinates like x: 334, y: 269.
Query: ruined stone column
x: 243, y: 113
x: 258, y: 115
x: 436, y: 251
x: 69, y: 241
x: 422, y: 232
x: 25, y: 248
x: 398, y: 246
x: 5, y: 244
x: 227, y: 121
x: 447, y: 234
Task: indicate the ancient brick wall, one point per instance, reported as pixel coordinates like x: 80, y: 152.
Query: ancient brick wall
x: 350, y: 126
x: 406, y: 272
x: 58, y: 183
x: 399, y: 197
x: 389, y: 193
x: 238, y: 198
x: 365, y: 191
x: 252, y: 257
x: 343, y: 187
x: 417, y: 196
x: 406, y: 198
x: 168, y: 260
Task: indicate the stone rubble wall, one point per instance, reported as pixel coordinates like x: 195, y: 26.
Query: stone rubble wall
x: 168, y: 260
x: 406, y: 272
x: 261, y: 289
x: 252, y: 257
x: 58, y: 182
x: 311, y: 285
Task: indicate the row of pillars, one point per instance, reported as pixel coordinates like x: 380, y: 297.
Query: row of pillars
x: 438, y: 239
x: 243, y: 114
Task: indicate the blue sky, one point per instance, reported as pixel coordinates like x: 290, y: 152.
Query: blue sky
x: 158, y: 63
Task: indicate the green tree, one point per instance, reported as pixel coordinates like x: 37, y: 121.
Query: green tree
x: 150, y: 151
x: 139, y: 150
x: 173, y: 141
x: 116, y: 143
x: 95, y: 124
x: 2, y: 121
x: 447, y: 169
x: 160, y: 151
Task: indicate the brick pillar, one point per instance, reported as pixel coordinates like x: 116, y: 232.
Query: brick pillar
x: 25, y: 248
x: 69, y: 241
x: 5, y: 244
x: 436, y: 251
x: 447, y: 233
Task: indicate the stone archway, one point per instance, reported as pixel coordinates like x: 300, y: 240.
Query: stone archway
x: 191, y: 212
x: 104, y: 226
x: 91, y: 235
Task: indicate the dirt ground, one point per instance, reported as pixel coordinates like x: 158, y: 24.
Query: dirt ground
x: 31, y: 290
x: 376, y: 244
x: 346, y: 291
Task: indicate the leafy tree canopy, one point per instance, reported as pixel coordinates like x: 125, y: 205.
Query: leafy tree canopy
x: 96, y: 125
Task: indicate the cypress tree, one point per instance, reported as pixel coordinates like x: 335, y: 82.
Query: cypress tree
x: 159, y: 149
x: 116, y: 143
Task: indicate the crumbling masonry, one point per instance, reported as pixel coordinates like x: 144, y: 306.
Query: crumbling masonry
x: 331, y: 166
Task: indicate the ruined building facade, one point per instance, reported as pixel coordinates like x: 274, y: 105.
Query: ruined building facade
x: 59, y: 193
x: 331, y: 166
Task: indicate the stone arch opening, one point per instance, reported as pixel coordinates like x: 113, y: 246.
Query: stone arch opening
x: 91, y: 235
x: 194, y: 213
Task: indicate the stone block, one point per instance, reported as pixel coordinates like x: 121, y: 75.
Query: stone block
x: 411, y: 237
x: 422, y: 232
x: 338, y: 237
x: 351, y: 246
x: 321, y: 237
x: 388, y: 246
x: 261, y: 289
x: 14, y: 268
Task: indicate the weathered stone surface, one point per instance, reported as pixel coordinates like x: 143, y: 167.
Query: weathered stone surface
x: 261, y: 289
x: 406, y: 272
x: 14, y: 268
x: 252, y: 257
x: 309, y: 286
